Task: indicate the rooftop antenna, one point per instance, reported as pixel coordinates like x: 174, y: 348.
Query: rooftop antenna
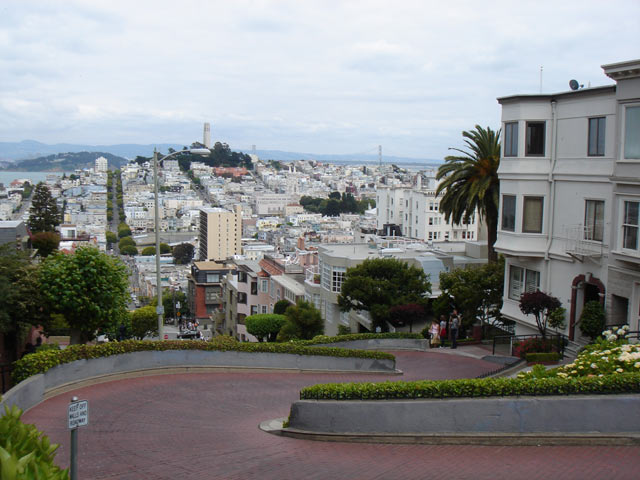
x: 541, y: 68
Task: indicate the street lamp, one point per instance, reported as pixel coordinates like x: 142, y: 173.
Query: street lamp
x: 159, y: 307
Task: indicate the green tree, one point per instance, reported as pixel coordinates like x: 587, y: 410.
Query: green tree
x: 111, y: 237
x: 470, y: 182
x: 126, y: 241
x: 21, y: 301
x: 46, y: 243
x: 476, y: 291
x: 377, y: 285
x: 303, y: 321
x: 541, y: 306
x: 147, y: 251
x: 401, y: 315
x: 144, y: 322
x: 265, y: 326
x: 129, y: 250
x: 44, y: 215
x: 124, y: 230
x: 280, y: 307
x: 88, y: 287
x: 592, y: 319
x: 183, y: 253
x: 169, y: 300
x: 164, y: 248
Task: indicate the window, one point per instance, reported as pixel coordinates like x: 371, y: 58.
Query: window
x: 254, y: 288
x: 213, y: 278
x: 532, y: 215
x: 264, y: 286
x: 254, y: 309
x: 337, y: 279
x: 511, y: 139
x: 325, y: 270
x: 242, y: 298
x: 594, y: 220
x: 596, y: 136
x: 522, y: 280
x: 264, y: 308
x: 509, y: 213
x: 535, y: 138
x: 630, y: 225
x: 211, y: 295
x: 430, y: 220
x: 632, y: 132
x: 242, y: 277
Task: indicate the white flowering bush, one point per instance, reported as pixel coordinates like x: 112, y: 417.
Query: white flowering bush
x: 611, y: 355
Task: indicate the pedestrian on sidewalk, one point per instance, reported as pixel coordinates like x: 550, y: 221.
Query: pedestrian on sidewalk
x: 443, y: 330
x: 434, y: 331
x: 454, y: 325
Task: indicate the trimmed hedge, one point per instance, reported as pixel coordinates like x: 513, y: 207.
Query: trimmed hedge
x: 320, y: 339
x: 487, y: 387
x: 40, y: 362
x: 543, y: 357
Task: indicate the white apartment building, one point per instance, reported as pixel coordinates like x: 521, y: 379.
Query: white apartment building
x: 415, y: 209
x: 570, y: 199
x: 220, y: 233
x: 271, y: 203
x: 101, y: 165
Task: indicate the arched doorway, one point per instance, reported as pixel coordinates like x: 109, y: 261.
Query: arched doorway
x: 583, y: 289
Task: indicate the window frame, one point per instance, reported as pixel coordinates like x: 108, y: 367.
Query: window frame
x: 592, y: 223
x: 633, y: 106
x: 625, y: 226
x: 510, y: 139
x: 527, y: 198
x: 528, y: 142
x: 529, y: 281
x: 599, y: 132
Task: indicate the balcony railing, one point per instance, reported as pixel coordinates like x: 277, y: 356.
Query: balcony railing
x: 584, y: 240
x: 312, y: 274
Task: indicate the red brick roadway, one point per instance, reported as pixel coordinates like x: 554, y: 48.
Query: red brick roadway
x: 205, y: 426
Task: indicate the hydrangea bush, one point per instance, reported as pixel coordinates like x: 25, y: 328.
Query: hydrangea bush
x: 609, y: 355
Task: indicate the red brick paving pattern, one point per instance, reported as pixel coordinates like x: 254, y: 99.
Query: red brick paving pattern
x: 205, y: 426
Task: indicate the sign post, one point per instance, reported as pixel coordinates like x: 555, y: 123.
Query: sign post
x: 77, y: 416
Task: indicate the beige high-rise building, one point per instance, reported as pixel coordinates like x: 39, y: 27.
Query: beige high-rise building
x: 220, y: 233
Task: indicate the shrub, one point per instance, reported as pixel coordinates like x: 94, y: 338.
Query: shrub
x: 124, y: 241
x: 40, y: 362
x: 592, y: 319
x: 24, y: 451
x: 533, y: 345
x: 148, y: 251
x: 485, y: 387
x: 129, y: 250
x: 344, y: 330
x: 320, y: 339
x: 303, y: 321
x: 542, y: 357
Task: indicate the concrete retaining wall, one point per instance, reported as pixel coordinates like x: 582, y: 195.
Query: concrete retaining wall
x: 518, y: 415
x: 382, y: 344
x: 33, y: 390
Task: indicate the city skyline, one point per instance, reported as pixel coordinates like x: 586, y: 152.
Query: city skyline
x: 326, y: 78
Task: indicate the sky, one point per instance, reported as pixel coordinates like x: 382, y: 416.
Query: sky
x: 304, y: 75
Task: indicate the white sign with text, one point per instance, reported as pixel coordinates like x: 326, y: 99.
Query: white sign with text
x: 78, y: 414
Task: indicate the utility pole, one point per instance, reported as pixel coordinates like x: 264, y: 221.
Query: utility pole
x: 159, y: 307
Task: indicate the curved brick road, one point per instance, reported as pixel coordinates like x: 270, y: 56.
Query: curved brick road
x: 205, y: 426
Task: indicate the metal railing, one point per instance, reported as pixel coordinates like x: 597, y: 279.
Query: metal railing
x: 505, y: 344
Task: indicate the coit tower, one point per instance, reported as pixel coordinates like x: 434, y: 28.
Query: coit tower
x: 207, y: 135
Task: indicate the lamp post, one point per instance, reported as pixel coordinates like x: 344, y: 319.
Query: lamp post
x: 159, y: 307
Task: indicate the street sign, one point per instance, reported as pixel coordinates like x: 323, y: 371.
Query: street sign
x: 166, y: 337
x: 78, y: 414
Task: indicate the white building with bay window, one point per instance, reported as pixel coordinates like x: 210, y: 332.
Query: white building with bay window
x: 570, y: 199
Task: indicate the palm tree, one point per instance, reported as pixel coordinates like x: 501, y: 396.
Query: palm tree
x: 470, y: 182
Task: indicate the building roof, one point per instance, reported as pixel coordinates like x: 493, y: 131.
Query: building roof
x: 208, y: 265
x: 551, y: 96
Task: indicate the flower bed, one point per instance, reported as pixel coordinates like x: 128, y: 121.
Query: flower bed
x: 40, y: 362
x: 533, y: 345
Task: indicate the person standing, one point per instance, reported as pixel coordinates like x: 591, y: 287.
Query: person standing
x: 454, y: 325
x: 443, y: 330
x: 434, y: 332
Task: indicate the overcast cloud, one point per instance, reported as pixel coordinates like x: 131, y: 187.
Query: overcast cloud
x: 311, y: 76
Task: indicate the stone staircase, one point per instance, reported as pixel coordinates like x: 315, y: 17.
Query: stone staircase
x: 572, y: 348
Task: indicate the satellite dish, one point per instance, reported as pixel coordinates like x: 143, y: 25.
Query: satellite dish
x: 574, y: 85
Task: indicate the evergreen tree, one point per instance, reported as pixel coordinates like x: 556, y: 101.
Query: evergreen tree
x: 44, y: 215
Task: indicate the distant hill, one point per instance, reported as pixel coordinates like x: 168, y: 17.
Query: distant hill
x: 65, y: 162
x: 10, y: 152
